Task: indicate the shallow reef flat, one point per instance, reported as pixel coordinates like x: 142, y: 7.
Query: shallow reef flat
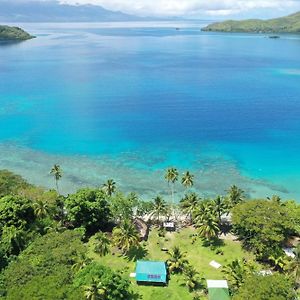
x: 134, y: 172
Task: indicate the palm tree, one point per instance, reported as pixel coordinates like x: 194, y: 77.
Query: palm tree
x: 294, y: 266
x: 278, y: 260
x: 203, y: 211
x: 125, y: 236
x: 177, y: 260
x: 159, y: 207
x: 276, y: 199
x: 13, y: 239
x: 220, y: 207
x: 95, y: 291
x: 189, y: 204
x: 109, y: 187
x: 102, y: 243
x: 41, y: 209
x: 208, y: 227
x: 56, y: 171
x: 235, y: 195
x: 191, y: 277
x: 187, y: 179
x: 172, y: 176
x: 80, y: 263
x: 236, y: 272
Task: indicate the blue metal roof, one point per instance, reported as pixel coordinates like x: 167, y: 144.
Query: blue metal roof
x: 151, y: 271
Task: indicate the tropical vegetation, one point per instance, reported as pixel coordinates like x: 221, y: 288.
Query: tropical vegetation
x: 85, y: 245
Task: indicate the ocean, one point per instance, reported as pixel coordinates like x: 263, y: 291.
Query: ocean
x: 127, y: 100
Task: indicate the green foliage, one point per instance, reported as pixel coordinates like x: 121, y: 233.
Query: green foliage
x: 16, y: 218
x: 109, y: 187
x: 89, y: 209
x: 187, y: 179
x: 206, y: 219
x: 208, y: 228
x: 263, y: 225
x: 57, y: 174
x: 44, y: 269
x: 95, y: 291
x: 189, y: 204
x: 177, y: 260
x: 3, y: 259
x: 159, y: 207
x: 116, y: 286
x: 220, y: 207
x: 236, y: 273
x: 36, y: 194
x: 287, y: 24
x: 14, y: 240
x: 16, y: 211
x: 235, y: 196
x: 46, y: 205
x: 55, y: 256
x: 122, y: 206
x: 271, y: 287
x: 293, y: 211
x: 80, y: 262
x: 192, y: 278
x: 144, y: 208
x: 10, y: 183
x: 125, y: 236
x: 293, y: 267
x: 278, y: 259
x: 172, y: 176
x: 101, y: 244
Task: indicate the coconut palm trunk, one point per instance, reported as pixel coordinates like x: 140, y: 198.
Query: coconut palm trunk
x: 56, y: 171
x: 172, y: 176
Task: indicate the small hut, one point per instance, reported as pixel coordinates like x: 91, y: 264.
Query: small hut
x: 169, y: 226
x: 151, y: 272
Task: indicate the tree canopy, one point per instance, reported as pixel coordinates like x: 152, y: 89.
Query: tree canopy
x: 263, y: 225
x: 271, y: 287
x: 115, y: 284
x: 11, y: 183
x: 44, y: 269
x: 88, y: 209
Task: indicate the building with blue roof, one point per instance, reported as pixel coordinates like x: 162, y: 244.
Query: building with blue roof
x: 151, y: 272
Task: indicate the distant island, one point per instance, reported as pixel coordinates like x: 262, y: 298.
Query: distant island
x: 13, y: 33
x: 289, y: 24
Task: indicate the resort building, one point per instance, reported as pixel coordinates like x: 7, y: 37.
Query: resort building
x: 151, y: 272
x: 218, y: 290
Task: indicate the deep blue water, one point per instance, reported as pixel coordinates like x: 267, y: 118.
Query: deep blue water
x: 171, y: 96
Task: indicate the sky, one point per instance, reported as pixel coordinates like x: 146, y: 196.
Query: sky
x: 196, y: 8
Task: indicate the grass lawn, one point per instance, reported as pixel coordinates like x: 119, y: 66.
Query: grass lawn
x: 198, y: 256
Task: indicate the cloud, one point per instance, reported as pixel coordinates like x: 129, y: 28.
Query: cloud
x: 194, y: 7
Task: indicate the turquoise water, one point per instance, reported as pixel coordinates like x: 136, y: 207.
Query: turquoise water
x: 128, y: 100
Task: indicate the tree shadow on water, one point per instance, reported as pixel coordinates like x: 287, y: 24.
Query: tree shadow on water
x: 136, y: 253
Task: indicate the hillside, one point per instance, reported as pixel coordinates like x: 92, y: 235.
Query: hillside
x: 53, y: 11
x: 13, y: 33
x: 289, y: 24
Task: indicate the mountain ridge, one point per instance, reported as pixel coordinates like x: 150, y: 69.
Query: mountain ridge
x: 49, y: 11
